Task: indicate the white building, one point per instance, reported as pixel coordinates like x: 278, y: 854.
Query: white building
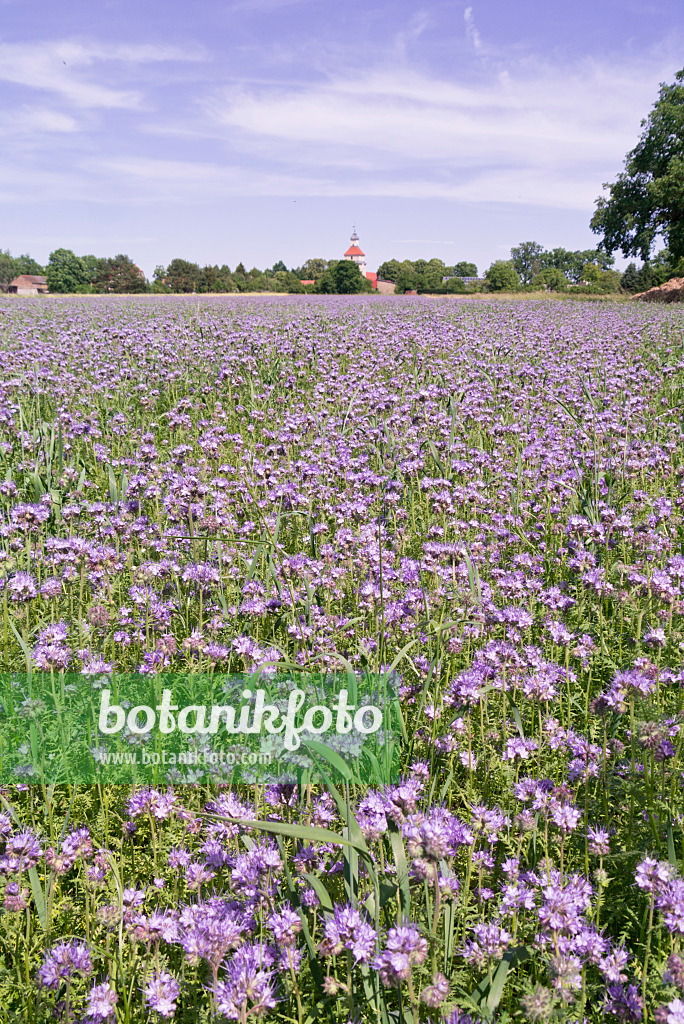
x: 355, y: 254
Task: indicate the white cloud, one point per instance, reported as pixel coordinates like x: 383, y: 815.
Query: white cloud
x: 150, y: 179
x: 536, y: 133
x: 189, y: 180
x: 36, y: 120
x: 471, y: 30
x: 527, y: 133
x: 57, y: 66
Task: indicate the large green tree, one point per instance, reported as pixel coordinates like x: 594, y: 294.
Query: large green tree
x: 408, y: 279
x: 502, y: 276
x: 551, y: 278
x: 182, y: 276
x: 67, y: 272
x: 215, y: 279
x: 312, y: 269
x: 647, y: 199
x: 388, y: 270
x: 465, y: 269
x: 527, y: 260
x: 343, y: 277
x: 433, y: 276
x: 26, y: 264
x: 120, y: 275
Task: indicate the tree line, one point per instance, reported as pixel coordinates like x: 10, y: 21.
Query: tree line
x: 68, y: 273
x: 530, y: 268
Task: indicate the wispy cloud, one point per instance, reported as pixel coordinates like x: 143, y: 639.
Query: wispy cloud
x: 534, y: 133
x: 36, y: 120
x: 58, y: 67
x: 152, y: 178
x: 471, y: 30
x: 516, y: 131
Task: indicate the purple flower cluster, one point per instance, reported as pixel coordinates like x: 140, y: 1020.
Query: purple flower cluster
x: 485, y: 498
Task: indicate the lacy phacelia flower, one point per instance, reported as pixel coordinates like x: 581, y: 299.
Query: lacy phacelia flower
x: 490, y: 943
x: 161, y: 993
x: 247, y: 990
x: 285, y: 926
x: 538, y: 1004
x: 405, y: 949
x: 63, y: 961
x: 210, y: 929
x: 347, y: 929
x: 435, y: 993
x: 101, y: 1007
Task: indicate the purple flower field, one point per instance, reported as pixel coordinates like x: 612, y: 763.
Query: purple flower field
x: 483, y: 501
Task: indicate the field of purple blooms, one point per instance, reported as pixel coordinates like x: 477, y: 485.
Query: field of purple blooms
x: 484, y: 501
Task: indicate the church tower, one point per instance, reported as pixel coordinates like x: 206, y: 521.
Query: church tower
x: 355, y: 253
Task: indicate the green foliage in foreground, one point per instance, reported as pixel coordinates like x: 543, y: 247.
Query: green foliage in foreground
x: 647, y: 198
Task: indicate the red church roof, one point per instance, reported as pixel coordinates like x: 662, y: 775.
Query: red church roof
x: 354, y: 250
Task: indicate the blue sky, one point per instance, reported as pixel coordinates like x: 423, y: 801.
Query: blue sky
x: 260, y: 130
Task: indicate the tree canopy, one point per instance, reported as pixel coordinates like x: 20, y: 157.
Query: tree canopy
x: 343, y: 277
x: 26, y: 264
x: 119, y: 274
x: 424, y: 275
x: 312, y: 269
x: 182, y: 275
x: 67, y: 272
x: 647, y: 199
x: 502, y: 276
x: 526, y: 260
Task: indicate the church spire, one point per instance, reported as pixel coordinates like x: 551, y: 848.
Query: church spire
x: 355, y: 253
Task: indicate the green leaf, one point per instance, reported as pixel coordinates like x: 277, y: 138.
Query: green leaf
x: 24, y: 647
x: 307, y: 833
x: 38, y: 898
x: 320, y: 890
x: 113, y: 489
x: 671, y: 855
x: 400, y: 863
x: 388, y: 890
x: 331, y: 756
x: 486, y: 996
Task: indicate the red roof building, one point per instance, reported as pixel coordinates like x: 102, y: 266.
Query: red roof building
x: 28, y: 284
x: 356, y: 254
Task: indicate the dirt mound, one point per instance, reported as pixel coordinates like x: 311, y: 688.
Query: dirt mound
x: 671, y: 291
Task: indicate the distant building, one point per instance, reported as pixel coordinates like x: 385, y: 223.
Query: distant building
x: 28, y: 284
x: 466, y: 280
x: 357, y: 255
